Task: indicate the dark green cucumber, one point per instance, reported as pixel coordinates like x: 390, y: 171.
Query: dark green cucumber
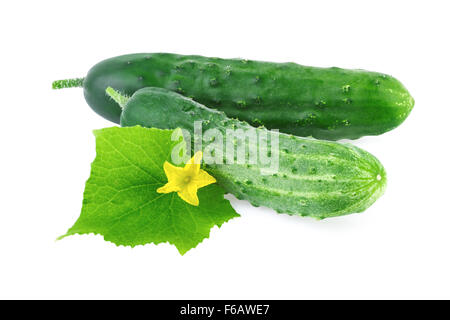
x: 326, y: 103
x: 315, y: 178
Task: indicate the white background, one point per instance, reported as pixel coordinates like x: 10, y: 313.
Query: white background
x: 398, y: 248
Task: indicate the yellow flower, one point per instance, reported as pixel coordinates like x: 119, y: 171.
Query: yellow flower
x: 186, y: 181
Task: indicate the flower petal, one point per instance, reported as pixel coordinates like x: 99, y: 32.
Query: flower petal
x: 189, y: 194
x: 168, y: 187
x: 173, y: 173
x: 203, y: 179
x: 193, y: 165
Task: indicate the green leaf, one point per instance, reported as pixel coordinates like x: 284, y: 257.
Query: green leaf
x: 120, y: 199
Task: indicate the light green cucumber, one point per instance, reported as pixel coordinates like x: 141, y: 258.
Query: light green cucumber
x: 315, y: 178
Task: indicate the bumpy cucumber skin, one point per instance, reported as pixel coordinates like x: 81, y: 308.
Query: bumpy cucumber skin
x: 316, y: 178
x: 325, y: 103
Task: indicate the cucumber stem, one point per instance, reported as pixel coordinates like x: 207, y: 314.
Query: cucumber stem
x: 68, y: 83
x: 117, y: 97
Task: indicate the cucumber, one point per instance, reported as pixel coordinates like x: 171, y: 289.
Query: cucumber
x: 315, y: 178
x: 325, y: 103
